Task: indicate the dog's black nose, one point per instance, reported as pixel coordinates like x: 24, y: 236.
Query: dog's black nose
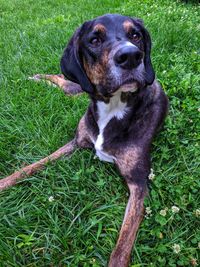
x: 128, y: 57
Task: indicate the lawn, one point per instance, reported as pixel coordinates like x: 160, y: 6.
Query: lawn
x: 70, y: 213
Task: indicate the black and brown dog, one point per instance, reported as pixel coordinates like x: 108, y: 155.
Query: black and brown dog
x: 109, y: 58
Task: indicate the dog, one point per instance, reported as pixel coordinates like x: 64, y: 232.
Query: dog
x: 109, y: 58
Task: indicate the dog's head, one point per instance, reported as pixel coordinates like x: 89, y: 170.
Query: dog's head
x: 109, y: 53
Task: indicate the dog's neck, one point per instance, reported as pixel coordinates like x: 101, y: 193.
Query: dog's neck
x: 123, y: 92
x: 115, y: 108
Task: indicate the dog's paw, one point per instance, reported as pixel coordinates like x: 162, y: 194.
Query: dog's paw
x: 43, y: 78
x: 36, y: 77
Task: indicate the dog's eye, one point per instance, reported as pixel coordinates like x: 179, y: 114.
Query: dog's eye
x: 135, y: 36
x: 95, y: 41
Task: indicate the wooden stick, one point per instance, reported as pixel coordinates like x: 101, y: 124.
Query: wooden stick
x: 33, y: 168
x: 120, y: 256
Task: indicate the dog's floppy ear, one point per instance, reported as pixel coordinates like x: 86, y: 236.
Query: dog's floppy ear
x: 150, y: 74
x: 71, y: 65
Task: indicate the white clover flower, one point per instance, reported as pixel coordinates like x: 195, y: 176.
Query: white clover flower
x: 197, y: 213
x: 176, y: 248
x: 51, y: 199
x: 175, y: 209
x: 163, y: 212
x: 161, y: 235
x: 148, y: 212
x: 93, y: 260
x: 151, y: 175
x: 199, y: 109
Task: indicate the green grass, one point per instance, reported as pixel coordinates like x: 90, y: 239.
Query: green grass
x: 80, y: 227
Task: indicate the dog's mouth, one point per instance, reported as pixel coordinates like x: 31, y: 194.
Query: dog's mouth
x: 123, y: 81
x: 129, y: 85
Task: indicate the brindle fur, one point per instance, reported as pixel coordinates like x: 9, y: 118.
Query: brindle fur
x: 129, y: 139
x: 97, y: 72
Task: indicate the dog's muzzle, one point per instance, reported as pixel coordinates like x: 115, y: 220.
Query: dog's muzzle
x: 128, y: 56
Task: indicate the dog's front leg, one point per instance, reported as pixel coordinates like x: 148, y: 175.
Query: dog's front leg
x: 135, y: 171
x: 120, y: 256
x: 33, y: 168
x: 82, y: 140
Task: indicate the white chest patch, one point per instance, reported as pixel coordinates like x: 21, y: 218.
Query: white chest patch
x: 115, y: 108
